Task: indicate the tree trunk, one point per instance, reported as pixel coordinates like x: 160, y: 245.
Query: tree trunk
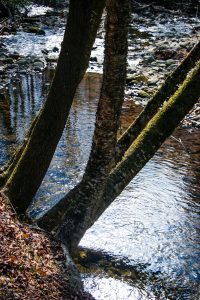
x: 83, y: 21
x: 7, y: 170
x: 5, y: 11
x: 159, y: 128
x: 87, y: 195
x: 151, y: 138
x: 167, y: 89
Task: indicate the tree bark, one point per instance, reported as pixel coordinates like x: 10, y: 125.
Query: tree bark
x: 86, y: 195
x: 5, y: 11
x: 167, y: 89
x: 7, y: 170
x: 139, y: 153
x: 83, y: 21
x: 160, y: 127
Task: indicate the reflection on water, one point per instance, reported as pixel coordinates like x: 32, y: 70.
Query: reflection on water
x: 155, y: 222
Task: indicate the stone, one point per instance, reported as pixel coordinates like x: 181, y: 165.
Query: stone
x: 136, y: 78
x: 153, y: 81
x: 8, y: 60
x: 142, y: 94
x: 3, y: 54
x: 32, y: 29
x: 93, y: 59
x: 38, y: 66
x: 22, y: 62
x: 2, y: 70
x: 45, y: 51
x: 149, y: 59
x: 12, y: 66
x: 169, y: 62
x: 55, y: 49
x: 14, y: 55
x: 40, y: 32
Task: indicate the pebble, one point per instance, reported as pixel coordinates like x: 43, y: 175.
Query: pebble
x: 38, y: 66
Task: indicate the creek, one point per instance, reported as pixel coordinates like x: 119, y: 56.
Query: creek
x: 152, y: 229
x: 154, y: 225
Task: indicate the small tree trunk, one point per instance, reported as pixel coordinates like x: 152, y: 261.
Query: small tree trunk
x: 139, y: 153
x: 5, y: 11
x: 87, y: 195
x: 83, y: 21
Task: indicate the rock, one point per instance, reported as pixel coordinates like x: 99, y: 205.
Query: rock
x: 2, y: 45
x: 14, y: 55
x: 8, y: 60
x: 143, y: 94
x: 153, y: 81
x: 169, y: 62
x: 22, y: 72
x: 22, y: 62
x: 30, y: 20
x: 2, y: 70
x: 45, y: 51
x: 3, y: 54
x: 32, y: 29
x: 40, y: 32
x: 139, y: 34
x: 149, y: 59
x: 2, y: 89
x: 55, y: 49
x: 93, y: 59
x: 136, y: 78
x: 12, y: 66
x: 52, y: 58
x: 38, y: 66
x: 164, y: 54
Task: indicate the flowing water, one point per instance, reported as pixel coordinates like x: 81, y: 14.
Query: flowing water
x: 147, y: 244
x: 153, y: 227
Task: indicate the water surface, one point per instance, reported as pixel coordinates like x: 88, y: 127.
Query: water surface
x: 153, y: 226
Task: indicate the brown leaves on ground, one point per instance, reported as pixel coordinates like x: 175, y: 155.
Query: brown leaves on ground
x: 31, y: 262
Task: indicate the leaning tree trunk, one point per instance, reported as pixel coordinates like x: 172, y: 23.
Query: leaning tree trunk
x: 88, y: 193
x: 83, y: 21
x: 139, y: 153
x: 167, y: 89
x: 151, y: 138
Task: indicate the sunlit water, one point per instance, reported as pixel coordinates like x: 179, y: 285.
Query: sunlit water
x: 154, y: 223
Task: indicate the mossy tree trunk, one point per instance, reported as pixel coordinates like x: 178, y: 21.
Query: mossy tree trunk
x: 83, y: 21
x: 85, y: 198
x: 159, y: 128
x: 163, y: 94
x: 8, y: 168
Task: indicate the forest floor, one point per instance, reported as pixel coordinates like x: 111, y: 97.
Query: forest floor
x: 32, y: 263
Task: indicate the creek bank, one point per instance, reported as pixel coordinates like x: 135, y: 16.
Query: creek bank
x: 32, y: 263
x: 158, y: 41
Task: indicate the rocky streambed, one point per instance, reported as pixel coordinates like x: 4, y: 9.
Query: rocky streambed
x: 158, y: 41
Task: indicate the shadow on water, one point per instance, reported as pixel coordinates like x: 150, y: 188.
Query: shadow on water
x: 152, y: 230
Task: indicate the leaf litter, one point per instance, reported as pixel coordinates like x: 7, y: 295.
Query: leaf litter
x: 32, y: 263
